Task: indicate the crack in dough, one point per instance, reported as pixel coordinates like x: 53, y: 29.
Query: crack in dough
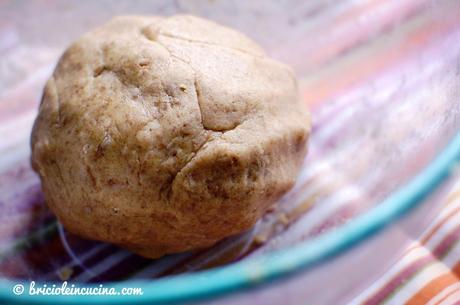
x: 246, y: 52
x: 195, y: 83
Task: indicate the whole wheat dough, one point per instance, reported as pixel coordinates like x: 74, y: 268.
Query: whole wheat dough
x: 167, y: 134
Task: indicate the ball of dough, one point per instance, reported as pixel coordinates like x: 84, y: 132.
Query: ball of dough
x: 164, y: 135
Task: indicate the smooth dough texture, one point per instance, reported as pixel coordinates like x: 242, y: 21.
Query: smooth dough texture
x: 164, y: 135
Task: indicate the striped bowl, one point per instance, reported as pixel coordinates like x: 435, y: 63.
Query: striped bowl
x: 382, y: 79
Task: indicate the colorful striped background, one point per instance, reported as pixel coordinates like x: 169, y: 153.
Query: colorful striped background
x: 382, y: 78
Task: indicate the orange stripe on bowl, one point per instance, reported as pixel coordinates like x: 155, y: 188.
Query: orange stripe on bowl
x: 382, y: 22
x: 431, y: 289
x: 340, y: 78
x: 446, y: 296
x: 440, y: 224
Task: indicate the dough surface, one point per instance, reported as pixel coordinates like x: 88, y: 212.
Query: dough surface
x: 163, y: 135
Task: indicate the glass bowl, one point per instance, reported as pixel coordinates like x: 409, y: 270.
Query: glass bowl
x: 382, y: 79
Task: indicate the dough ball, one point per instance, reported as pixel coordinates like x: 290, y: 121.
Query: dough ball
x: 164, y: 135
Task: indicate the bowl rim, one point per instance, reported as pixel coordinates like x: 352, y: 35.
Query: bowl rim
x: 273, y: 265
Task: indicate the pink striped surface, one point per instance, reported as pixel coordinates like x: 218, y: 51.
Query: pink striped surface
x: 382, y: 79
